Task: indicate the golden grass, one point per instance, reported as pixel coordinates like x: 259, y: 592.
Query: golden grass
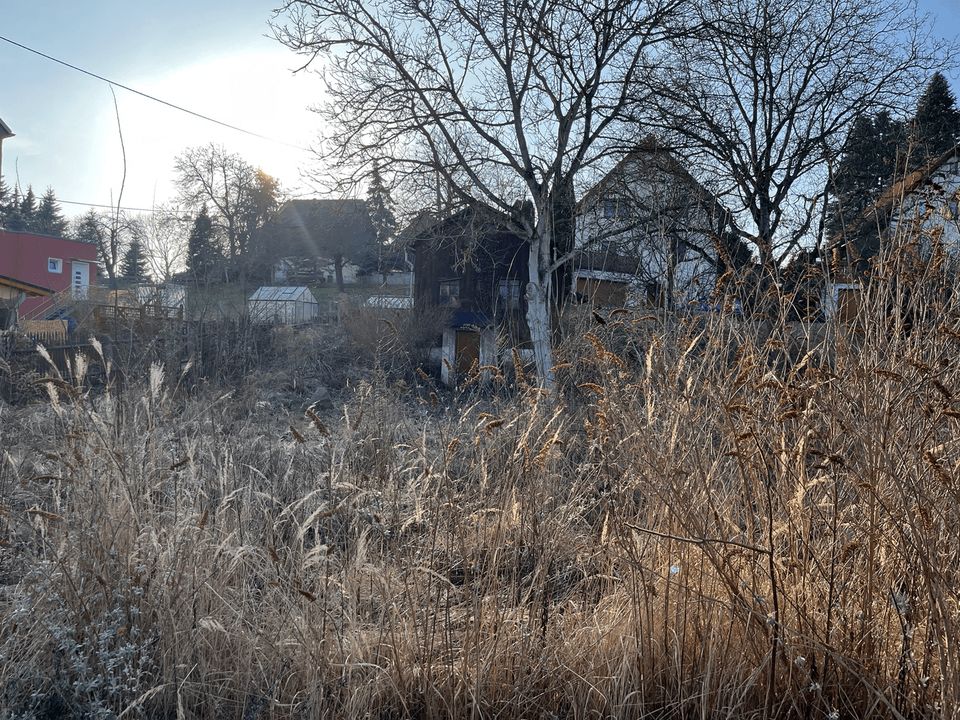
x: 709, y: 520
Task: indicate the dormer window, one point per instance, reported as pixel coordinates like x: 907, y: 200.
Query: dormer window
x: 55, y: 265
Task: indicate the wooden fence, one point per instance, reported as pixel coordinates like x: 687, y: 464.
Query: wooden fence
x: 46, y: 332
x: 223, y: 351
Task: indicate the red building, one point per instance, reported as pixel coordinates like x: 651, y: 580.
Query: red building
x: 63, y: 266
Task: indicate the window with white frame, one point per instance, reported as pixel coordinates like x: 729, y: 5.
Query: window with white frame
x: 450, y: 292
x: 509, y: 294
x: 55, y: 265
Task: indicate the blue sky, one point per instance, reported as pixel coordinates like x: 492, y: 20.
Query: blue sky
x: 213, y: 56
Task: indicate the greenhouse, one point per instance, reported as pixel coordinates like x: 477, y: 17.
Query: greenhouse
x: 282, y: 306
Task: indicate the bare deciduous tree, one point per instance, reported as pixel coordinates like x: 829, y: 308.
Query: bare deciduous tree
x: 762, y: 92
x: 239, y: 196
x: 165, y: 242
x: 112, y: 233
x: 505, y: 102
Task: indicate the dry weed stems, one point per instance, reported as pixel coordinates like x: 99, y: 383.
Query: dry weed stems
x: 712, y: 519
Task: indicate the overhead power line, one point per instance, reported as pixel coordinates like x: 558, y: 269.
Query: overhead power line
x: 100, y: 205
x: 152, y: 97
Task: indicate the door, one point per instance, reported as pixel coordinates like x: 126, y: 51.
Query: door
x: 848, y: 304
x: 467, y: 351
x: 81, y: 280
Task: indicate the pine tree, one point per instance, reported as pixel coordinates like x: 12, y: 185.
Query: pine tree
x: 852, y: 181
x: 4, y: 202
x: 89, y: 229
x: 13, y: 218
x: 380, y: 208
x: 936, y: 126
x: 49, y: 220
x: 202, y: 252
x: 868, y: 164
x: 891, y: 137
x: 133, y: 269
x: 28, y: 210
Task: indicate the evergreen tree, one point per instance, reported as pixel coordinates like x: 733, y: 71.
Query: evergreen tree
x: 202, y: 252
x: 89, y: 229
x: 851, y: 183
x: 13, y: 217
x: 28, y: 210
x: 868, y: 164
x: 49, y: 220
x: 5, y: 200
x: 936, y: 126
x: 380, y: 207
x: 134, y: 266
x: 891, y: 137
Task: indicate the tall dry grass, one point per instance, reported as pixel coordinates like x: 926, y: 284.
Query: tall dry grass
x: 715, y: 518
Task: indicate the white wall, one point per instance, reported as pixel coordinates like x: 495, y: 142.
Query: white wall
x: 934, y: 209
x: 662, y: 208
x: 448, y: 357
x: 350, y: 273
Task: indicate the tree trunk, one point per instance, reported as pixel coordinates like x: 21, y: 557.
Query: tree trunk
x: 338, y: 270
x: 672, y: 253
x: 538, y: 311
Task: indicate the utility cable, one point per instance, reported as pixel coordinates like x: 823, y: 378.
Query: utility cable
x: 153, y: 97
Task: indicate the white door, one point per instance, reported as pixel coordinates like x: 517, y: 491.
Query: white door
x: 81, y: 280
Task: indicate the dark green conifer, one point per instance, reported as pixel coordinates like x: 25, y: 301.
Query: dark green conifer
x: 936, y: 126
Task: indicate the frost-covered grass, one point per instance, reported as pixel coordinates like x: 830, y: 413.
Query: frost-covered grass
x: 708, y: 520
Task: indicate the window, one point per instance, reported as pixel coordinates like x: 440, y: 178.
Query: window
x: 614, y: 207
x: 450, y: 292
x: 509, y: 293
x: 54, y: 265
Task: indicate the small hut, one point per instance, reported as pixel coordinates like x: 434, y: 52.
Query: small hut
x: 12, y: 294
x: 282, y: 305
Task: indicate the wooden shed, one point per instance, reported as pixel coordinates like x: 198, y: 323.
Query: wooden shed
x: 12, y: 294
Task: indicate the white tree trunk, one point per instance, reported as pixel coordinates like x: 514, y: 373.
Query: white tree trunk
x: 538, y: 316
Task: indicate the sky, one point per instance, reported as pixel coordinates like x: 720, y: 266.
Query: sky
x: 212, y: 56
x: 215, y: 57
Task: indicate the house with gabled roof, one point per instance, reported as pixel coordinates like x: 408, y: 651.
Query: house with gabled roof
x: 471, y: 268
x: 648, y: 232
x: 923, y: 209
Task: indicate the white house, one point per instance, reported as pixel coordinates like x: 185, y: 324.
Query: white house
x: 328, y: 271
x: 927, y: 205
x: 647, y: 233
x: 923, y: 208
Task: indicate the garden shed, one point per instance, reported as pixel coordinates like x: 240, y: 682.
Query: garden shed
x: 282, y: 305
